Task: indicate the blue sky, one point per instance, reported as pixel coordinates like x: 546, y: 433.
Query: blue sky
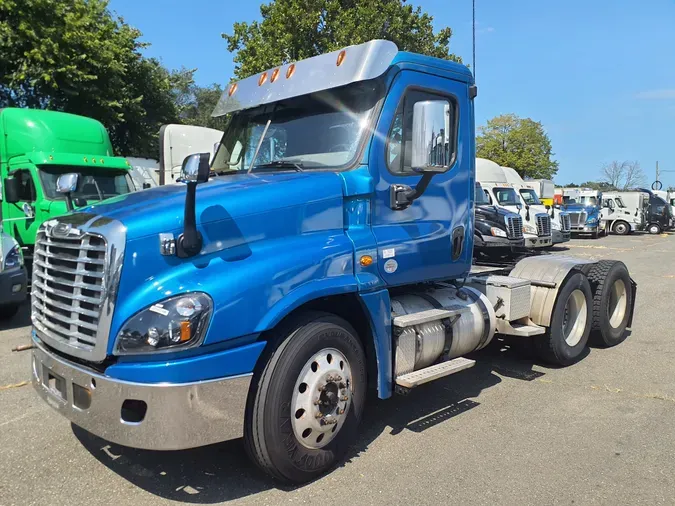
x: 599, y: 74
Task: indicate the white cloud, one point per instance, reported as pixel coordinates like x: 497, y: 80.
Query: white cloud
x: 488, y: 29
x: 657, y: 94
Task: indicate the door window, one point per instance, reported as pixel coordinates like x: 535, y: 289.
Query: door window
x: 26, y: 185
x: 399, y: 145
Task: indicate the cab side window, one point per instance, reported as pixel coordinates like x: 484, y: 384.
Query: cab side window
x: 26, y: 186
x: 399, y: 145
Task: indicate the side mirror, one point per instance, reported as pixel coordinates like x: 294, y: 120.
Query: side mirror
x: 67, y: 184
x: 12, y: 190
x: 79, y: 202
x: 548, y: 208
x: 432, y: 145
x: 195, y: 168
x: 146, y: 186
x: 28, y: 210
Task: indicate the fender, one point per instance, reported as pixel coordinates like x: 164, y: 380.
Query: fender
x: 378, y: 308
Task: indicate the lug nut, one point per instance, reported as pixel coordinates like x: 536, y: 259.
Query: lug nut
x: 319, y: 415
x: 317, y: 402
x: 340, y: 411
x: 342, y: 385
x: 344, y: 398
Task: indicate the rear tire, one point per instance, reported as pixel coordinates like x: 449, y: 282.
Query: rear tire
x: 621, y: 228
x: 612, y: 301
x: 282, y: 433
x: 565, y: 340
x: 654, y: 229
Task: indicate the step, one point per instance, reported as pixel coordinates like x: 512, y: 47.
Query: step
x: 430, y: 315
x: 519, y: 329
x: 433, y: 372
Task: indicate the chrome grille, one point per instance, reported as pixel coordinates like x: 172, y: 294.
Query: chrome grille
x: 565, y: 222
x: 514, y: 227
x: 543, y: 225
x: 68, y: 287
x: 577, y: 219
x: 76, y: 270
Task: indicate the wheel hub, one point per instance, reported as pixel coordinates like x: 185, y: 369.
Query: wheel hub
x: 321, y: 398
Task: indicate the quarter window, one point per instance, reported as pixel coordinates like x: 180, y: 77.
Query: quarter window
x: 399, y: 145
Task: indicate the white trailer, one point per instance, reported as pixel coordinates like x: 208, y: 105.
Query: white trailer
x: 178, y: 141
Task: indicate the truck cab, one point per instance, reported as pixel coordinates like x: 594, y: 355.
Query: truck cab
x: 659, y: 217
x: 560, y: 222
x: 36, y: 147
x: 498, y: 234
x: 502, y: 193
x: 326, y: 250
x: 625, y: 212
x: 584, y: 208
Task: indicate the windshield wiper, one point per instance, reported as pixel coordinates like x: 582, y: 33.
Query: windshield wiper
x: 280, y: 164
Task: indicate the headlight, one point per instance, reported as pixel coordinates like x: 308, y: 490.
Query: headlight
x: 498, y: 232
x: 529, y: 229
x: 175, y: 323
x: 14, y: 258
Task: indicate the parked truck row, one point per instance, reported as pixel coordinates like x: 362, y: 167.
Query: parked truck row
x: 325, y: 250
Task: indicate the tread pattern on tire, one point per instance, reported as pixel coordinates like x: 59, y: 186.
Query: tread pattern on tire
x: 597, y: 276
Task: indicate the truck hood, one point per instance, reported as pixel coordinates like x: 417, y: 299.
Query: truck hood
x: 227, y: 198
x: 491, y: 212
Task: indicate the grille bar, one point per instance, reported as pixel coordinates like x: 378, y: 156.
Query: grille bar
x: 514, y: 227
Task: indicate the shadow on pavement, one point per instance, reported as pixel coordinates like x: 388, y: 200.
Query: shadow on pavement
x: 222, y: 472
x: 20, y: 319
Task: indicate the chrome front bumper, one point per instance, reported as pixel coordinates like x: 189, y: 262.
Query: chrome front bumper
x: 537, y: 242
x: 161, y: 416
x: 560, y: 236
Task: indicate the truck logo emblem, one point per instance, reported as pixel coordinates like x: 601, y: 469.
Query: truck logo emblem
x: 61, y: 229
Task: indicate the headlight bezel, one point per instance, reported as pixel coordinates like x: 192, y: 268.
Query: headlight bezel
x: 132, y: 337
x: 532, y: 228
x: 498, y: 232
x: 17, y: 255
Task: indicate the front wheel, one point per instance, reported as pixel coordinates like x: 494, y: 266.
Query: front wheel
x: 565, y: 340
x: 621, y: 228
x: 654, y: 229
x: 304, y: 407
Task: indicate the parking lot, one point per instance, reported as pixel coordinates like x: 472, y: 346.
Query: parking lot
x: 508, y: 431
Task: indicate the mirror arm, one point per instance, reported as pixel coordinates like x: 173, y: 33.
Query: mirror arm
x: 402, y: 196
x: 190, y: 242
x: 69, y: 202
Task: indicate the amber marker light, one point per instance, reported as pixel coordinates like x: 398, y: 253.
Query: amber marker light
x: 366, y: 260
x: 290, y: 71
x: 275, y: 75
x: 184, y: 331
x: 262, y: 79
x: 232, y: 89
x: 341, y: 57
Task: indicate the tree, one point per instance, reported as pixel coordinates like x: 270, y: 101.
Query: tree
x: 519, y: 143
x: 75, y: 56
x: 623, y: 175
x: 196, y: 103
x: 292, y: 30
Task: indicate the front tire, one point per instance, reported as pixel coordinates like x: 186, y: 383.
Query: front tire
x: 305, y: 406
x: 8, y: 311
x: 565, y: 340
x: 621, y: 228
x: 612, y: 302
x: 654, y: 229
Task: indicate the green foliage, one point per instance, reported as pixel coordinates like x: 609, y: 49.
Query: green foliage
x: 75, y: 56
x: 519, y: 143
x: 292, y: 30
x: 196, y: 103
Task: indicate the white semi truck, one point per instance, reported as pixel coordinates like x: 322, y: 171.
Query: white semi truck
x: 625, y: 212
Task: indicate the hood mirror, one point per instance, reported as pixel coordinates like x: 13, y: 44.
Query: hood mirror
x: 67, y: 184
x: 195, y: 170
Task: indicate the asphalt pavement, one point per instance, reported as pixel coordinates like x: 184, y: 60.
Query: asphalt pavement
x: 508, y: 431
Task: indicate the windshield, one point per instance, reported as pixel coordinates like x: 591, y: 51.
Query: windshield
x: 93, y: 184
x: 506, y: 196
x: 530, y: 197
x: 588, y: 201
x: 317, y: 131
x: 481, y: 198
x: 619, y: 202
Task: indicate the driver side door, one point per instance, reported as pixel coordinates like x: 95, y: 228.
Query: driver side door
x: 22, y: 227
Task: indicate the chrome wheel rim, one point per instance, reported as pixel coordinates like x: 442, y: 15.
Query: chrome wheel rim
x: 574, y: 319
x: 321, y: 398
x: 621, y: 228
x: 618, y: 302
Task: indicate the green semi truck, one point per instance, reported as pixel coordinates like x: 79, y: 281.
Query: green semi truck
x: 36, y: 147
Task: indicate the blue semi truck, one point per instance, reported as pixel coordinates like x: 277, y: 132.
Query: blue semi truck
x: 325, y: 251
